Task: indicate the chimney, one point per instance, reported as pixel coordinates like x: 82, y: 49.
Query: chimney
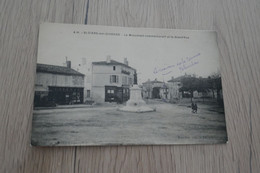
x: 108, y: 59
x: 125, y: 61
x: 68, y: 64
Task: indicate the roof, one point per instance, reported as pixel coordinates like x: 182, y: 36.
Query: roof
x: 112, y: 62
x: 153, y: 81
x: 178, y: 79
x: 46, y: 68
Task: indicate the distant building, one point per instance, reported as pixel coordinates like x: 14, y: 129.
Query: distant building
x: 164, y: 91
x: 58, y: 85
x: 111, y: 80
x: 174, y: 86
x: 155, y: 89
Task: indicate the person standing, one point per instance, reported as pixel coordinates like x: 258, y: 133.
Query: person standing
x: 192, y: 107
x: 195, y: 108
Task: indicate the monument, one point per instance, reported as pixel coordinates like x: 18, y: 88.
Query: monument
x: 136, y: 103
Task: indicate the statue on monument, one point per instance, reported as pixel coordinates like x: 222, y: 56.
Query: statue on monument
x: 136, y: 103
x: 135, y: 78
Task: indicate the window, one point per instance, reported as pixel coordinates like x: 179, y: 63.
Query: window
x: 114, y: 68
x: 130, y: 81
x: 124, y: 80
x: 88, y: 93
x: 110, y: 91
x: 113, y: 79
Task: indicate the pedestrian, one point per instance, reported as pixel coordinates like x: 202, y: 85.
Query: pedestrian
x: 195, y: 108
x: 192, y: 107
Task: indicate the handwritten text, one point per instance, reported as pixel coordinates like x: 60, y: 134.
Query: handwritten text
x: 182, y: 65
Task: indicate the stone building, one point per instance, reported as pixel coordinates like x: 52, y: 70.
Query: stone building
x: 58, y: 85
x: 111, y: 80
x: 155, y: 89
x: 164, y: 92
x: 174, y: 85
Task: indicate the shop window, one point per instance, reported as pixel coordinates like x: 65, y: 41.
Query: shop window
x: 110, y: 91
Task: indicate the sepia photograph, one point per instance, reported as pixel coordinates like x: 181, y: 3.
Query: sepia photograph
x: 104, y: 85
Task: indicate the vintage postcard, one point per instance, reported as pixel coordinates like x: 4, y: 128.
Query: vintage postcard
x: 104, y: 85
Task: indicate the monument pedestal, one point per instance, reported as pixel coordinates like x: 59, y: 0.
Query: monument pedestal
x: 136, y: 103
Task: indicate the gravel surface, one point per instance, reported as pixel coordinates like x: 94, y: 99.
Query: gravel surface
x: 97, y: 125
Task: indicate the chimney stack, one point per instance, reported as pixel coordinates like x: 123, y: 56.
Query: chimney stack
x: 125, y: 61
x: 68, y: 64
x: 108, y: 59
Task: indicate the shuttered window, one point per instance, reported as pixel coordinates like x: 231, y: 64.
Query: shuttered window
x: 114, y: 79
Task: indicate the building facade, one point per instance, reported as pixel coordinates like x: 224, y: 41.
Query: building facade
x: 85, y: 67
x: 155, y: 89
x: 58, y: 85
x: 174, y: 86
x: 111, y: 81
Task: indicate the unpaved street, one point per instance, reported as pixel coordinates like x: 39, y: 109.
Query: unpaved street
x: 170, y: 124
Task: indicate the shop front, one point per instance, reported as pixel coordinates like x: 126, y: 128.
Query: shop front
x: 116, y: 94
x: 65, y: 95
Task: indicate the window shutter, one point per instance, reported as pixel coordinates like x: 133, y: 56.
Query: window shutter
x: 110, y: 78
x: 116, y: 79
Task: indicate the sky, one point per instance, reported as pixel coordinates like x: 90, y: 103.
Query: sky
x: 155, y: 53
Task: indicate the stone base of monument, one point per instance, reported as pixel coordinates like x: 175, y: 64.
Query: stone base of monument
x: 136, y: 103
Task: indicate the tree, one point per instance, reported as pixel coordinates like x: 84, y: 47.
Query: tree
x: 189, y: 84
x: 203, y: 86
x: 216, y: 85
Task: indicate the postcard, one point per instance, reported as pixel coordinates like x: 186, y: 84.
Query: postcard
x: 105, y: 85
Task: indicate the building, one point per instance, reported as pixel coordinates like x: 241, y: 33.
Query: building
x: 85, y: 67
x: 111, y: 81
x: 164, y: 92
x: 58, y: 85
x: 155, y: 89
x: 174, y: 86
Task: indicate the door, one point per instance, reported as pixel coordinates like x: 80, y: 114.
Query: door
x: 156, y: 92
x: 110, y: 94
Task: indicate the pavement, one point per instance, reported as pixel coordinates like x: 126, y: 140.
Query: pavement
x: 76, y: 106
x: 106, y: 125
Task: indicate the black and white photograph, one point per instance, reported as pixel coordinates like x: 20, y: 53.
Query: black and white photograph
x: 104, y: 85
